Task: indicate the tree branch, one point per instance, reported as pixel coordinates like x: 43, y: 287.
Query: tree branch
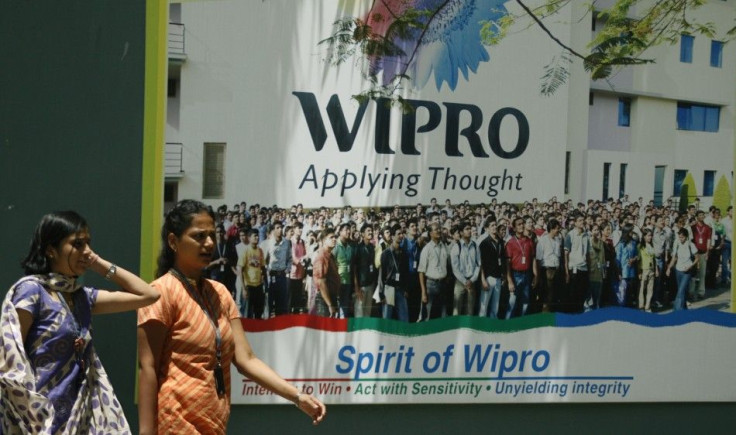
x: 547, y: 31
x: 419, y: 40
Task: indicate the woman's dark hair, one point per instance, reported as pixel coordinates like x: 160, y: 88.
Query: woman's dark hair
x: 53, y: 228
x: 627, y: 231
x: 644, y: 233
x: 177, y: 220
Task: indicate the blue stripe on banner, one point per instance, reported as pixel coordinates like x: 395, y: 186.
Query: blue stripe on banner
x: 642, y: 318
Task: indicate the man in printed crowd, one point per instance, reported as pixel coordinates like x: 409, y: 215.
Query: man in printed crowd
x: 432, y: 271
x: 240, y: 250
x: 231, y: 234
x: 227, y: 222
x: 224, y: 260
x: 343, y: 253
x: 701, y: 234
x: 597, y: 271
x: 465, y: 260
x: 448, y: 208
x: 262, y: 226
x: 521, y: 270
x: 309, y: 225
x: 365, y: 273
x: 491, y: 269
x: 394, y: 269
x: 727, y: 222
x: 413, y: 290
x: 549, y: 250
x: 716, y: 248
x: 577, y: 244
x: 278, y: 259
x: 662, y: 238
x: 325, y: 276
x: 252, y: 267
x: 433, y: 207
x: 297, y: 296
x: 383, y: 243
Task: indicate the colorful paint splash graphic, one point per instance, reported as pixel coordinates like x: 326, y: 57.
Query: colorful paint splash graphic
x: 449, y: 44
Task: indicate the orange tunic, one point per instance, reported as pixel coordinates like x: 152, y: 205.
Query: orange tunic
x: 187, y: 398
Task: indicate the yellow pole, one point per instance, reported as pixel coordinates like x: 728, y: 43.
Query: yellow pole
x: 154, y: 112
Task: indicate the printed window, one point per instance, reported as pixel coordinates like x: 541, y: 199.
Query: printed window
x: 686, y: 48
x: 622, y: 180
x: 716, y: 53
x: 680, y: 175
x: 606, y: 176
x: 213, y: 172
x: 696, y: 117
x: 709, y: 178
x: 624, y: 112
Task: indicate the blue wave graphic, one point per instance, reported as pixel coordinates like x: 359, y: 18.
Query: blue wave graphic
x: 637, y: 317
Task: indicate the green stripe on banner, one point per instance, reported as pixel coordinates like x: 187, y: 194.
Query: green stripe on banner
x: 483, y: 324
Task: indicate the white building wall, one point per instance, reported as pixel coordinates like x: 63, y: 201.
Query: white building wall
x: 226, y: 96
x: 696, y: 81
x: 604, y: 133
x: 577, y: 131
x: 653, y: 138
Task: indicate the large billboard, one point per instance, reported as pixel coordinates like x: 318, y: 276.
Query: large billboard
x: 472, y: 126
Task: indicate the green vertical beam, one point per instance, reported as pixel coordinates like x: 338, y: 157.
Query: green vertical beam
x: 154, y: 113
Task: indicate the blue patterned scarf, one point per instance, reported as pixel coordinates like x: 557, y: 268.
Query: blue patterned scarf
x: 25, y: 411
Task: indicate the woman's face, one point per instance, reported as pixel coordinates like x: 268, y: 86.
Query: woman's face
x: 195, y: 245
x: 71, y: 257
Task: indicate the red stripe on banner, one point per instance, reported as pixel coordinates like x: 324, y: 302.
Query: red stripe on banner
x: 291, y: 320
x: 246, y: 380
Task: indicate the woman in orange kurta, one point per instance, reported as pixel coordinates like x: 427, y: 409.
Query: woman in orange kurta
x: 188, y: 340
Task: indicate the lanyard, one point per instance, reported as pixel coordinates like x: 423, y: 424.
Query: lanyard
x: 521, y: 249
x: 219, y: 380
x: 396, y: 263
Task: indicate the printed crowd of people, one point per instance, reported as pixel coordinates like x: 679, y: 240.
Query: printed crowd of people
x: 498, y: 260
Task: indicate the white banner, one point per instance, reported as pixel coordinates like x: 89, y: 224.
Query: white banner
x: 593, y: 359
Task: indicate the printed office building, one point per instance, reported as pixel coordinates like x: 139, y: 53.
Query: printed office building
x: 257, y: 112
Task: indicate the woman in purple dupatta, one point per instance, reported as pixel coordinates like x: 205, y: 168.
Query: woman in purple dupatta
x: 51, y: 380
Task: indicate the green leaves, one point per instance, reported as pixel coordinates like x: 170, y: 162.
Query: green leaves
x: 493, y: 32
x: 619, y: 50
x: 556, y: 73
x: 353, y: 36
x: 624, y: 33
